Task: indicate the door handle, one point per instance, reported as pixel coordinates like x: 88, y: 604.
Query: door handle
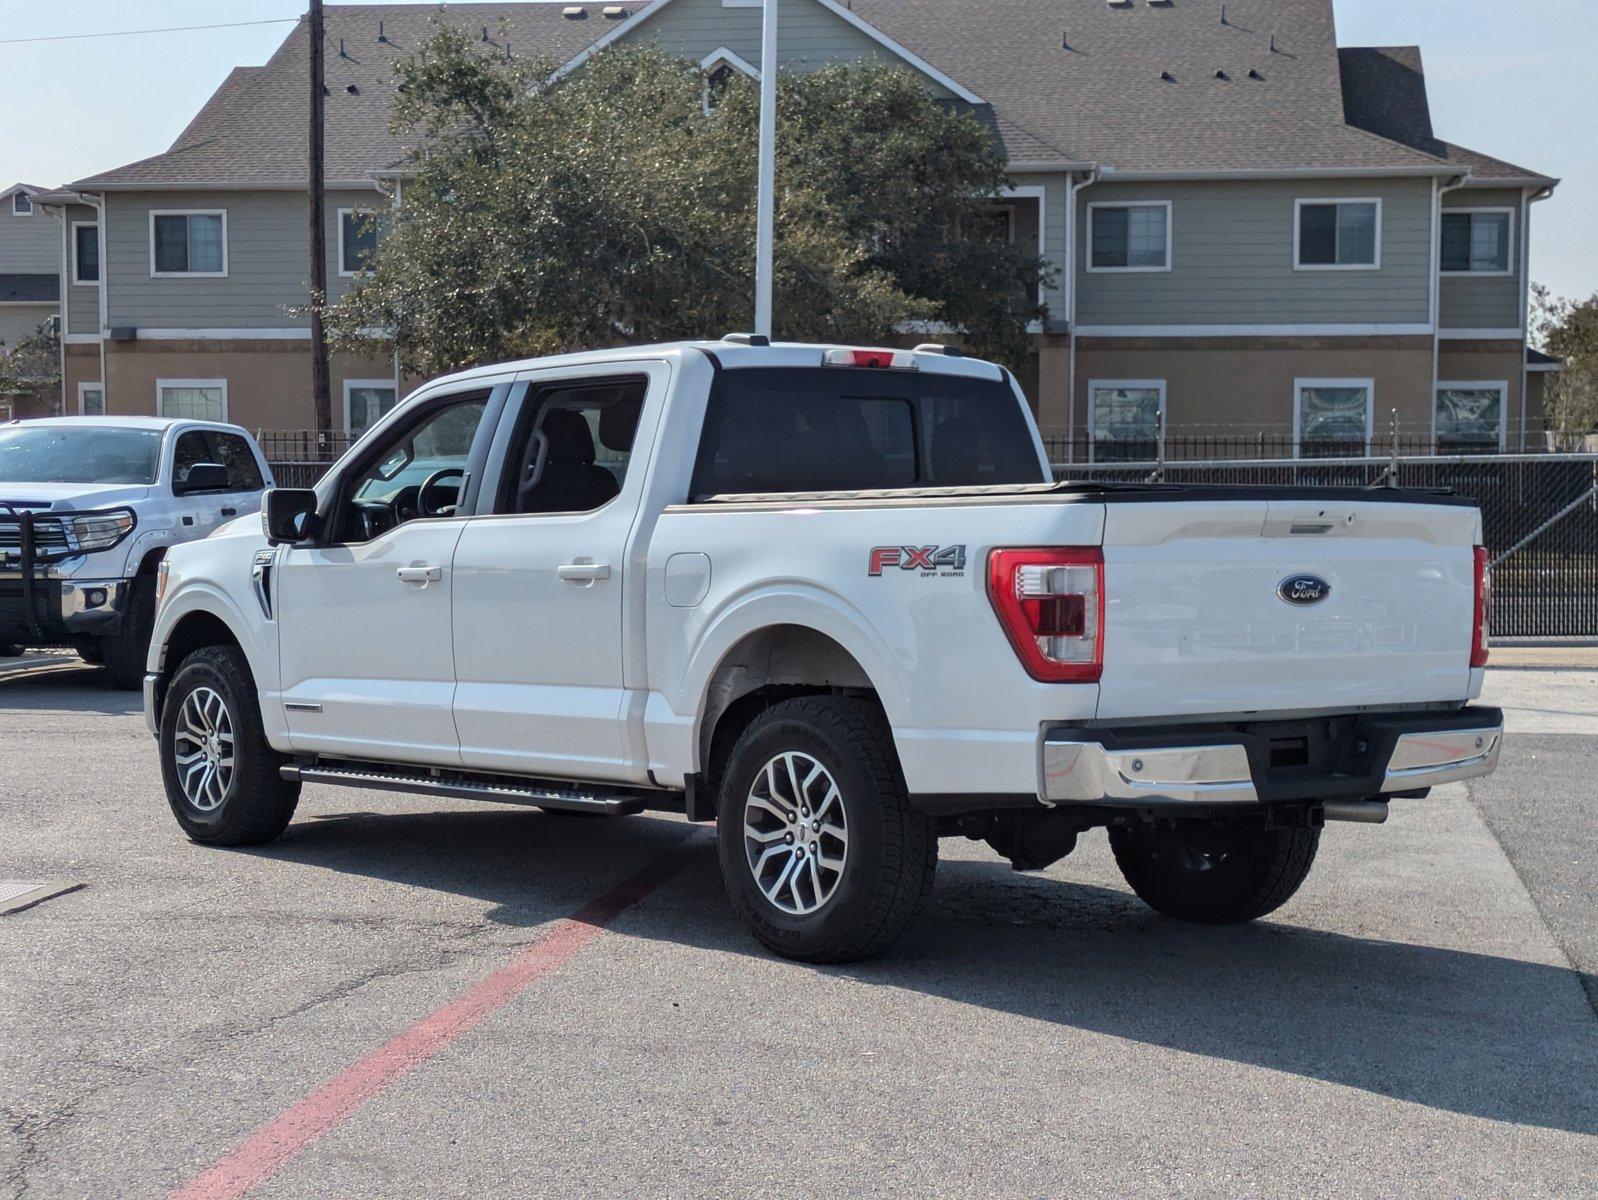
x: 420, y: 574
x: 230, y: 512
x: 584, y: 572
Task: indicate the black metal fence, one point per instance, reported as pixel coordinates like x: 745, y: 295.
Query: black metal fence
x: 1539, y: 516
x: 300, y: 457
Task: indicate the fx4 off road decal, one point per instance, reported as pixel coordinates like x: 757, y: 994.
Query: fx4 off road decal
x: 945, y: 561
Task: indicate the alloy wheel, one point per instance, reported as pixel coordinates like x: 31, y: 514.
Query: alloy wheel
x: 202, y: 749
x: 796, y: 833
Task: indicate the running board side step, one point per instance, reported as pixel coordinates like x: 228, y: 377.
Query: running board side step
x: 466, y: 785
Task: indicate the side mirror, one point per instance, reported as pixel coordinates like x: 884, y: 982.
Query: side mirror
x: 289, y: 515
x: 203, y: 477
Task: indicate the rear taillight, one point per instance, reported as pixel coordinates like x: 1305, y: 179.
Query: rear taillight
x: 1484, y: 607
x: 1050, y: 601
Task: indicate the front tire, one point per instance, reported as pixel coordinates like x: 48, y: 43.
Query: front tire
x: 821, y: 853
x: 220, y: 773
x: 125, y: 653
x: 1214, y: 872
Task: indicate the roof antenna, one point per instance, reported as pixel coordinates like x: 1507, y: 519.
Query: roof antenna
x: 1273, y: 43
x: 341, y: 52
x: 1223, y: 14
x: 1065, y: 41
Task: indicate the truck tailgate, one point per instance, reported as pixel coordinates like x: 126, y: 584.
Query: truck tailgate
x: 1211, y: 606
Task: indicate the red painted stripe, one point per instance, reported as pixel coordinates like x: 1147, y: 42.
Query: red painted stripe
x: 268, y: 1149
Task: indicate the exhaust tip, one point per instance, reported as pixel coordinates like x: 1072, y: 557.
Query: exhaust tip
x: 1363, y: 812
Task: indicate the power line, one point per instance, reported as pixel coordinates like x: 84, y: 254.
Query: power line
x: 73, y: 37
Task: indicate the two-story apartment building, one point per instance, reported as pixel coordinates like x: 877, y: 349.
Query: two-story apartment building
x: 30, y: 259
x: 1253, y: 232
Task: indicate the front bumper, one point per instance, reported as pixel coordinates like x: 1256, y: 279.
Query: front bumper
x: 1252, y: 763
x: 63, y: 610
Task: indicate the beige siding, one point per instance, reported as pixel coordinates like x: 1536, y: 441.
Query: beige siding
x: 80, y: 302
x: 266, y: 252
x: 1233, y: 259
x: 809, y: 36
x: 29, y: 245
x: 1490, y: 302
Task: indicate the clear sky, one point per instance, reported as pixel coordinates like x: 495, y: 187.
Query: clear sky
x: 1513, y: 78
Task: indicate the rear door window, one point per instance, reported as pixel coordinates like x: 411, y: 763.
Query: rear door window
x: 844, y: 429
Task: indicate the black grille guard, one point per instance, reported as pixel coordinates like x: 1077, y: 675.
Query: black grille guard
x: 29, y: 559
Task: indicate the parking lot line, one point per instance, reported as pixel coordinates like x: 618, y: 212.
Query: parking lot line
x: 265, y: 1152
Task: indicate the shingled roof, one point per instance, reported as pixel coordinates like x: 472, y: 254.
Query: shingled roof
x: 253, y: 131
x: 1134, y: 86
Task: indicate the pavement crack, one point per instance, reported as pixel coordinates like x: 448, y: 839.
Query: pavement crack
x: 28, y: 1128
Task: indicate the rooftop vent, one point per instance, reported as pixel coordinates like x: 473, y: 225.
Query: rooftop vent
x: 352, y: 89
x: 1223, y: 76
x: 1167, y: 77
x: 574, y: 12
x: 614, y: 12
x: 1253, y: 73
x: 1118, y: 3
x: 1161, y: 3
x: 381, y: 36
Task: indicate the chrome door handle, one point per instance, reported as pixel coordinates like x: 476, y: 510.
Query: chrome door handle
x: 420, y: 574
x: 583, y: 572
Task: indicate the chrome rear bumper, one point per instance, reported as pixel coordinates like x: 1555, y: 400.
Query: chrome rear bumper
x: 1384, y: 757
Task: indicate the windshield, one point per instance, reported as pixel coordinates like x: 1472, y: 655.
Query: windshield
x: 86, y: 454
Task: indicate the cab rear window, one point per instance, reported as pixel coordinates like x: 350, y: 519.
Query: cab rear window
x: 806, y: 429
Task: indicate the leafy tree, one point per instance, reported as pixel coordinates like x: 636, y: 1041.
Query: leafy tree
x: 609, y: 207
x: 1569, y: 329
x: 33, y: 366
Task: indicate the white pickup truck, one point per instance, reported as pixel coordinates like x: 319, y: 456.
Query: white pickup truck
x: 88, y: 508
x: 831, y: 600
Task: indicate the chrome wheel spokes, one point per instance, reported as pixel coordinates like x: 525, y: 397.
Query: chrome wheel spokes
x: 202, y: 749
x: 796, y: 833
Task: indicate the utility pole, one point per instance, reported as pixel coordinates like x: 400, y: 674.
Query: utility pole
x: 321, y: 385
x: 766, y: 198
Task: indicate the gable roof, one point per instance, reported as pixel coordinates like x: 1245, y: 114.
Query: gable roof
x: 253, y: 130
x: 1157, y: 87
x: 845, y: 14
x: 31, y: 188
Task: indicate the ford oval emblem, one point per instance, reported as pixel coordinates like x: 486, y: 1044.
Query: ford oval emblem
x: 1303, y: 589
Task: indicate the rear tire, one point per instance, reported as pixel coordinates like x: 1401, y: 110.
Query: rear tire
x: 821, y: 853
x: 1214, y: 872
x: 10, y: 650
x: 221, y: 776
x: 124, y: 653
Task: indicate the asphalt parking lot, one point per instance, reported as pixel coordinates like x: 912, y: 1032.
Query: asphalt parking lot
x: 406, y: 997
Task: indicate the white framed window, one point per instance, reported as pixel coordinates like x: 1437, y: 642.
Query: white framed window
x: 1126, y: 419
x: 1332, y: 417
x: 197, y: 399
x: 1337, y: 235
x: 359, y: 231
x: 188, y: 243
x: 91, y: 398
x: 21, y: 204
x: 367, y: 401
x: 721, y: 68
x: 1478, y: 241
x: 85, y: 252
x: 1469, y: 417
x: 1129, y: 236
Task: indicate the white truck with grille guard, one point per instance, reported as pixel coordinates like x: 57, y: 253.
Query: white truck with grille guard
x: 88, y: 508
x: 831, y: 600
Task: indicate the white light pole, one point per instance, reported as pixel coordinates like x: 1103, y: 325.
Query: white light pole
x: 766, y: 199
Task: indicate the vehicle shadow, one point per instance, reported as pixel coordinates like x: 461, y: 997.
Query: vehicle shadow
x: 78, y: 686
x: 1470, y: 1033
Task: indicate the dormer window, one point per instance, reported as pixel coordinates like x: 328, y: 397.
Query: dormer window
x: 722, y: 68
x: 21, y: 204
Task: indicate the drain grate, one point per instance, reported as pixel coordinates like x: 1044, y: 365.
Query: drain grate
x: 18, y: 894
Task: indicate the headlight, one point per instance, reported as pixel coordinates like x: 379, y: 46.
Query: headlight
x: 101, y: 531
